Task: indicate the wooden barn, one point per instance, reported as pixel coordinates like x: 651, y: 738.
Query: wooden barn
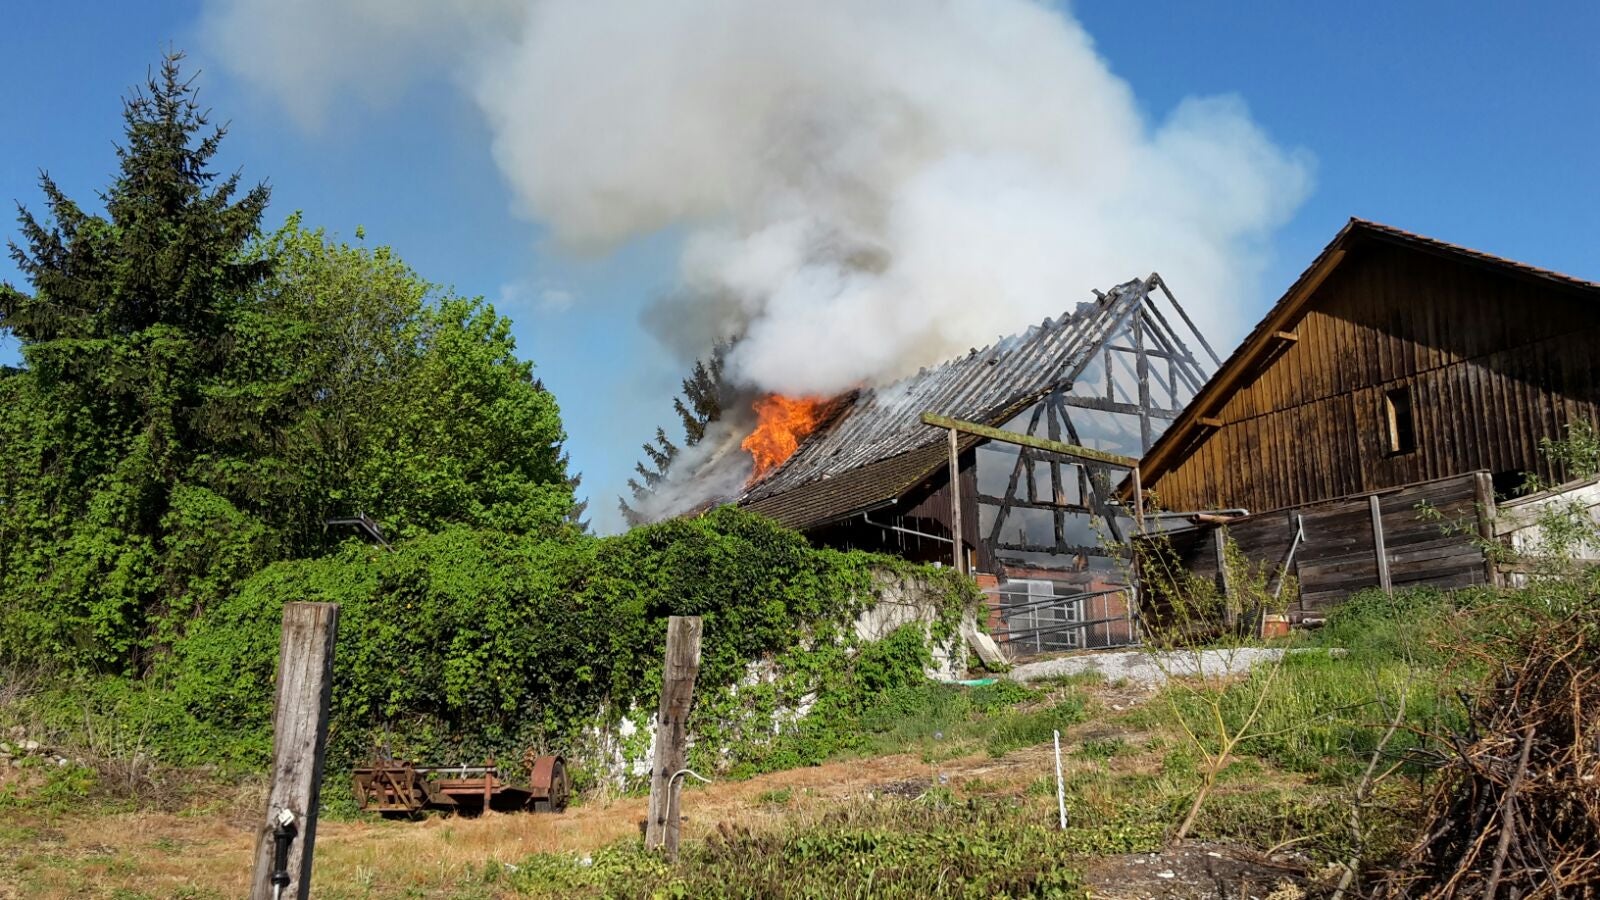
x: 1041, y: 426
x: 1365, y: 430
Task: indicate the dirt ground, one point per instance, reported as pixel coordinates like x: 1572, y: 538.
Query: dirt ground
x: 1195, y: 871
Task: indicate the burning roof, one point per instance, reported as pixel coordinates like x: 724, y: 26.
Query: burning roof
x: 876, y: 447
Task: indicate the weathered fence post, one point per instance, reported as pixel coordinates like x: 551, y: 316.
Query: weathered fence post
x: 300, y: 734
x: 672, y: 732
x: 1377, y: 543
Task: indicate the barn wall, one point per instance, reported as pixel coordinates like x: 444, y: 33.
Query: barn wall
x: 1431, y: 533
x: 1495, y: 364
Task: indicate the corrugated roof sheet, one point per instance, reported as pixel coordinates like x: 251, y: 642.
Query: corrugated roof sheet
x: 878, y: 448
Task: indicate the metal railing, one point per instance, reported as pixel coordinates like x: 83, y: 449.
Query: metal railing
x: 1031, y: 622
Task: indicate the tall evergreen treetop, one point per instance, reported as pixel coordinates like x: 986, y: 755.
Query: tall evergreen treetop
x: 168, y: 251
x: 697, y: 407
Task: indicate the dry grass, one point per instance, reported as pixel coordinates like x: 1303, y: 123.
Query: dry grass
x: 204, y: 850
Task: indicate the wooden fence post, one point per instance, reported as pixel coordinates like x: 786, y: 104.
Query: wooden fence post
x: 672, y: 732
x: 300, y: 734
x: 1378, y: 545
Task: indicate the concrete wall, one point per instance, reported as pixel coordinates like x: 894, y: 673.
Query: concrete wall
x: 1518, y: 525
x: 622, y: 752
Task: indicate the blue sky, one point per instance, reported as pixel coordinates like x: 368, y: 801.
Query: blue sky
x: 1471, y: 122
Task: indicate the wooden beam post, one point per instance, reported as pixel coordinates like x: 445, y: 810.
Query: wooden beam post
x: 1138, y: 500
x: 1483, y: 491
x: 1219, y: 541
x: 1135, y: 595
x: 1028, y: 440
x: 955, y: 504
x: 672, y: 733
x: 1377, y: 544
x: 300, y: 735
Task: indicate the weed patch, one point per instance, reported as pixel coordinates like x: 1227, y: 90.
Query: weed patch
x: 888, y: 849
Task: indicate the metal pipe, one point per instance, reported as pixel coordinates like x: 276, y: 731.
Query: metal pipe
x: 675, y: 786
x: 459, y: 770
x: 912, y: 531
x: 1196, y: 512
x: 1058, y: 628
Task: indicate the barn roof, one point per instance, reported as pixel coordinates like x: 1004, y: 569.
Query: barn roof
x: 876, y: 449
x: 1235, y: 372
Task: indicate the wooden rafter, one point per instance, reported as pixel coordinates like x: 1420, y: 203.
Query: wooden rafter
x: 1028, y: 440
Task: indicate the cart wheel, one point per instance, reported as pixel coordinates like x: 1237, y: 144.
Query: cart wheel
x: 561, y: 787
x: 552, y: 770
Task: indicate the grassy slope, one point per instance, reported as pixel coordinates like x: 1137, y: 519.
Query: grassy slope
x: 959, y: 776
x: 972, y: 785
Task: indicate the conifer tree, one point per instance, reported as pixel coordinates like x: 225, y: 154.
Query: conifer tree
x: 699, y: 404
x: 197, y: 398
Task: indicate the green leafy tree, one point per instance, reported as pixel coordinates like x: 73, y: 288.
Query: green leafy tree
x: 198, y: 399
x: 128, y: 320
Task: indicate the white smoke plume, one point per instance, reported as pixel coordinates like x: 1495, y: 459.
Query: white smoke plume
x: 714, y: 469
x: 866, y: 186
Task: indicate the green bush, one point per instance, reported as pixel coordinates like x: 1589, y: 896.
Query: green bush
x: 1027, y: 728
x: 1380, y: 627
x: 466, y: 644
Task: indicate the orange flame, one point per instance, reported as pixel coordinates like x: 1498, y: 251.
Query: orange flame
x: 783, y: 423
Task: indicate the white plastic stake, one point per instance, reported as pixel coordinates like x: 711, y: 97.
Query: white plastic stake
x: 1061, y: 786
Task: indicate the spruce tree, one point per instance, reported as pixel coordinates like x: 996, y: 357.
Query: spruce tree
x: 699, y: 404
x: 198, y: 398
x: 127, y: 321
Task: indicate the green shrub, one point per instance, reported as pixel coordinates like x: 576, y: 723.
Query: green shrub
x: 1375, y: 626
x: 467, y: 644
x: 1003, y: 693
x: 1101, y: 748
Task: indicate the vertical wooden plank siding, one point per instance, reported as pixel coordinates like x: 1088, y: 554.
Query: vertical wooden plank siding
x: 1495, y: 364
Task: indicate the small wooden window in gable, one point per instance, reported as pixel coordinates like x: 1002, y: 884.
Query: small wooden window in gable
x: 1400, y: 433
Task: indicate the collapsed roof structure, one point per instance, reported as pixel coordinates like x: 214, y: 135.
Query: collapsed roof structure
x: 1045, y: 423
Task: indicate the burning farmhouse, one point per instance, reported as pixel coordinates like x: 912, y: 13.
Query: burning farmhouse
x: 1040, y: 429
x: 1399, y: 382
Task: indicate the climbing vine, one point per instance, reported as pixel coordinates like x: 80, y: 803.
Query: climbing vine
x: 466, y: 644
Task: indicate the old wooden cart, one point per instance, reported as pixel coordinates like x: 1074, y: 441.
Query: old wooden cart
x: 398, y: 788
